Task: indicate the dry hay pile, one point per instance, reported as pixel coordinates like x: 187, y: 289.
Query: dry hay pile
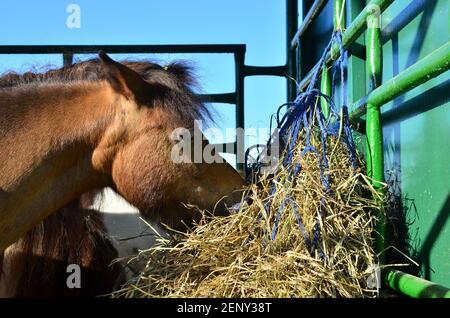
x: 235, y: 256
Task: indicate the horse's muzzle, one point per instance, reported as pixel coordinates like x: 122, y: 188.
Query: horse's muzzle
x: 230, y: 204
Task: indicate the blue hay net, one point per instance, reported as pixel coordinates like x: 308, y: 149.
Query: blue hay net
x: 300, y: 118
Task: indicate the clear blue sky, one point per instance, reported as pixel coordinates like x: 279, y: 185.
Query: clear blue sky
x: 260, y: 24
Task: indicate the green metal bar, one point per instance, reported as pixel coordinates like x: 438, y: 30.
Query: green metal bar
x: 356, y: 28
x: 374, y: 129
x: 374, y: 149
x: 374, y: 64
x: 325, y: 88
x: 325, y: 82
x: 339, y: 15
x: 415, y: 287
x: 434, y: 64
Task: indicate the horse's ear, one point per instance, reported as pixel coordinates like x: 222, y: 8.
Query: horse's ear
x: 122, y: 79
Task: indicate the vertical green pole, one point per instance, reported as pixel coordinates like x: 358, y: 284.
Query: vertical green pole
x: 339, y: 15
x: 325, y: 88
x: 325, y: 82
x: 374, y: 130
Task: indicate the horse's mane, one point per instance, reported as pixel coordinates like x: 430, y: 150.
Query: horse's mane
x: 178, y: 77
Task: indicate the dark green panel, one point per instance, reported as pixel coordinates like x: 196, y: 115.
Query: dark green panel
x: 317, y: 36
x: 417, y: 130
x: 356, y: 88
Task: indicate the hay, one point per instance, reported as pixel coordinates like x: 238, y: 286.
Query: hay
x: 234, y: 256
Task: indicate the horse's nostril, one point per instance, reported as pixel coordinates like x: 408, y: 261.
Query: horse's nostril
x: 231, y: 204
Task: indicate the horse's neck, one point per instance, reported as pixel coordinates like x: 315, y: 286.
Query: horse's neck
x: 47, y: 135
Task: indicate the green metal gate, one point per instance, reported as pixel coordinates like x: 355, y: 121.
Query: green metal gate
x: 399, y: 92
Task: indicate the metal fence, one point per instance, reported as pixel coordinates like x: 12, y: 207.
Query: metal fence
x: 429, y: 67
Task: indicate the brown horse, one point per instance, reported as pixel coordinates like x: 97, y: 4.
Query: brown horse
x: 98, y: 124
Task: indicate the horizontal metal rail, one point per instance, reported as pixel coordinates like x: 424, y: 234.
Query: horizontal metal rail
x: 265, y: 70
x: 313, y: 12
x: 415, y: 287
x: 226, y: 98
x: 349, y: 36
x: 116, y: 49
x: 434, y: 64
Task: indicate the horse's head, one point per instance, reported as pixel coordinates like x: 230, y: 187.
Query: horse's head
x: 139, y: 149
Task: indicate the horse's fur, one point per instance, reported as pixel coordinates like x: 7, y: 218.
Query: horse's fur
x: 36, y: 265
x: 56, y: 242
